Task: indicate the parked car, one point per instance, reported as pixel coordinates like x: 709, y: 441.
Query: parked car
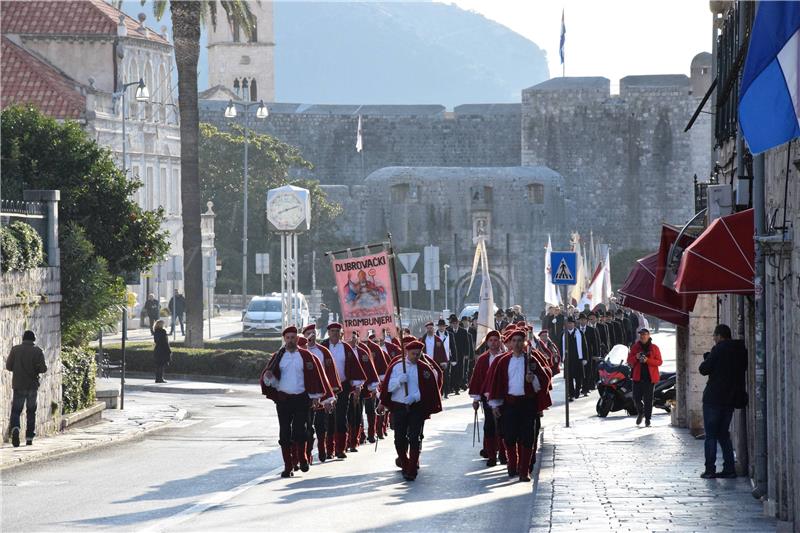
x: 263, y: 314
x: 471, y: 309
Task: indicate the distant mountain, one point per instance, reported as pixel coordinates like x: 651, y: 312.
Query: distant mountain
x: 399, y: 53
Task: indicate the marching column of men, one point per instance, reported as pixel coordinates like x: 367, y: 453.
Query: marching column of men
x: 322, y: 391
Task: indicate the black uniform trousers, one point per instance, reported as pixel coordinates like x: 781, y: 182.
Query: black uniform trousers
x: 408, y: 424
x: 321, y: 419
x: 576, y: 370
x: 490, y: 425
x: 293, y: 418
x: 342, y: 408
x: 519, y: 414
x: 643, y: 398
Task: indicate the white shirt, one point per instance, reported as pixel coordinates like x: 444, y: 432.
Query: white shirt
x: 339, y: 358
x: 430, y: 342
x: 292, y: 378
x: 516, y: 380
x: 492, y: 357
x: 318, y: 354
x: 398, y: 390
x: 446, y: 341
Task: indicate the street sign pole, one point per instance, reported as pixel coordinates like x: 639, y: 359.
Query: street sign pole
x: 563, y: 266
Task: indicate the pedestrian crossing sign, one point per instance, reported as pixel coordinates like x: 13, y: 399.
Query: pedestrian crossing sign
x: 563, y: 267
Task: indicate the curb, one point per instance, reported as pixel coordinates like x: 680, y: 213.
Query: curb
x: 81, y: 446
x: 542, y: 495
x: 177, y: 390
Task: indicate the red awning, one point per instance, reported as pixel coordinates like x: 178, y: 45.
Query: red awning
x: 637, y: 293
x: 722, y: 258
x: 669, y: 235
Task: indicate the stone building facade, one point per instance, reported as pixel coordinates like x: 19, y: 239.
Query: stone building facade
x: 243, y: 64
x: 71, y: 60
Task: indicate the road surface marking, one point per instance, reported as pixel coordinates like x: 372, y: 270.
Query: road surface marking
x: 231, y: 424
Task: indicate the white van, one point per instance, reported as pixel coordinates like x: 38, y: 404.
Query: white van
x: 263, y: 314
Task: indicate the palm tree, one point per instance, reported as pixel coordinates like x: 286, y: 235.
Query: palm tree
x: 187, y: 18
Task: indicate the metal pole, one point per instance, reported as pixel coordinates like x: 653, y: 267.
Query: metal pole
x: 124, y: 147
x: 262, y: 283
x: 244, y: 211
x: 209, y: 311
x: 445, y: 287
x: 124, y: 338
x: 566, y: 365
x: 432, y: 310
x: 283, y: 280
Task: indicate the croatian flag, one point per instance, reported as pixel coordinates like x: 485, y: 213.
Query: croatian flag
x: 563, y: 37
x: 769, y: 105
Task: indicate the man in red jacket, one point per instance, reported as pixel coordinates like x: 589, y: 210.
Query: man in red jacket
x: 295, y: 381
x: 323, y: 421
x: 644, y: 359
x: 411, y: 393
x: 516, y: 379
x: 477, y: 385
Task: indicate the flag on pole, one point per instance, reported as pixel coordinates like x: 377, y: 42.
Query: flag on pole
x: 769, y: 105
x: 551, y: 294
x: 607, y: 290
x: 486, y: 304
x: 594, y: 294
x: 563, y: 37
x: 359, y: 139
x: 576, y: 292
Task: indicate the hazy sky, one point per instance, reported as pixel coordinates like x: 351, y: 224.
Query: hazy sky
x: 611, y: 38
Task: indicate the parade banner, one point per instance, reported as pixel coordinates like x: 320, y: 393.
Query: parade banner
x: 364, y: 285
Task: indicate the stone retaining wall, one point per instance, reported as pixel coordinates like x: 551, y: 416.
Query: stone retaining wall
x: 32, y: 300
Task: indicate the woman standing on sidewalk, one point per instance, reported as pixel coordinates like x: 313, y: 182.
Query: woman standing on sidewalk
x: 162, y: 353
x: 644, y: 359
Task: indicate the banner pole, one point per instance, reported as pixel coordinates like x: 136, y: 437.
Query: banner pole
x: 397, y: 307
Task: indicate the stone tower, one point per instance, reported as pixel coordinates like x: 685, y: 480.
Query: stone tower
x: 244, y: 66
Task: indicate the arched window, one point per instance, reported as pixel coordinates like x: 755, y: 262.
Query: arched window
x: 148, y: 80
x: 236, y: 88
x: 245, y: 89
x: 163, y: 92
x: 133, y: 75
x: 253, y: 90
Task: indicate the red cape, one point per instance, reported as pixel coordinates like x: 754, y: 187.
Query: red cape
x: 431, y: 400
x: 313, y: 376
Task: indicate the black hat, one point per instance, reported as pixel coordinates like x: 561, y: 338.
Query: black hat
x: 570, y: 319
x: 441, y: 322
x: 582, y: 315
x: 452, y: 318
x: 509, y: 311
x: 498, y: 312
x: 475, y: 315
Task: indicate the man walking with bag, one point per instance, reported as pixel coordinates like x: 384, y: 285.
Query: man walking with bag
x: 26, y: 361
x: 725, y: 367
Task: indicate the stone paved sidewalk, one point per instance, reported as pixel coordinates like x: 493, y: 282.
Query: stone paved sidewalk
x: 135, y: 420
x: 609, y: 475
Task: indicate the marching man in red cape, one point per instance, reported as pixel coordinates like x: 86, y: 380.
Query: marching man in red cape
x: 411, y: 393
x: 323, y: 420
x: 491, y: 437
x: 352, y: 378
x: 515, y: 380
x: 295, y: 381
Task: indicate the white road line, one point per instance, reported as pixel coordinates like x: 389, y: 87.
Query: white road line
x: 213, y: 500
x: 231, y: 424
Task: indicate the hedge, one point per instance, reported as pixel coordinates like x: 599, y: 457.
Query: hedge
x: 78, y: 374
x: 234, y: 363
x: 20, y: 246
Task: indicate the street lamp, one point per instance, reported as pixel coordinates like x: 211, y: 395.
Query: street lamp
x: 446, y: 267
x: 230, y: 112
x: 142, y: 95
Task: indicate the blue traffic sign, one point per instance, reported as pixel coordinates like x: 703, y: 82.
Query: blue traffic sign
x: 563, y: 267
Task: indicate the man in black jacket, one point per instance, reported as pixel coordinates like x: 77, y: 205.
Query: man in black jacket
x: 465, y: 351
x: 177, y: 306
x: 26, y: 362
x: 725, y: 367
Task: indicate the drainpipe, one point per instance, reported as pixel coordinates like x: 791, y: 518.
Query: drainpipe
x: 761, y: 471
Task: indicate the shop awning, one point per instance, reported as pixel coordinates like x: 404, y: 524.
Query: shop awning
x: 721, y: 259
x: 637, y: 293
x: 675, y: 241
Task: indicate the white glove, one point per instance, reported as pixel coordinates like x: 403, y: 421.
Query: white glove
x: 402, y: 378
x: 584, y: 362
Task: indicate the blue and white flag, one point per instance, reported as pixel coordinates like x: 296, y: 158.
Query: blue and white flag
x: 769, y: 102
x: 563, y: 37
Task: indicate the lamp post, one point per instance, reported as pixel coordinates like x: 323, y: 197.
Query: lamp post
x: 446, y: 268
x: 230, y: 112
x: 142, y: 95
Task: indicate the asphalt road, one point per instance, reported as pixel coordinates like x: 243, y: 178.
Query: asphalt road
x: 218, y: 470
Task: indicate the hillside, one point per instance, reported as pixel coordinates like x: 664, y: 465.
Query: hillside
x: 399, y: 53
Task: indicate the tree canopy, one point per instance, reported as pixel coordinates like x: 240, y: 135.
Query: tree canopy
x: 221, y: 181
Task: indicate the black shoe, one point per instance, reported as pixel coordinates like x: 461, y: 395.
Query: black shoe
x: 296, y: 468
x: 352, y: 450
x: 341, y: 455
x: 503, y: 460
x: 304, y: 467
x: 484, y: 454
x: 322, y: 458
x: 491, y: 462
x: 639, y: 420
x: 726, y: 474
x: 287, y: 473
x: 647, y: 423
x: 29, y: 442
x: 371, y: 440
x: 708, y: 475
x: 15, y: 437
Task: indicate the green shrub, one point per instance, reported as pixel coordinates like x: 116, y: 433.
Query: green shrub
x: 30, y: 245
x: 79, y: 370
x: 9, y: 250
x: 235, y: 363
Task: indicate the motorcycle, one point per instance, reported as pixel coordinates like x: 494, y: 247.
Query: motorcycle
x: 614, y: 386
x: 664, y: 391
